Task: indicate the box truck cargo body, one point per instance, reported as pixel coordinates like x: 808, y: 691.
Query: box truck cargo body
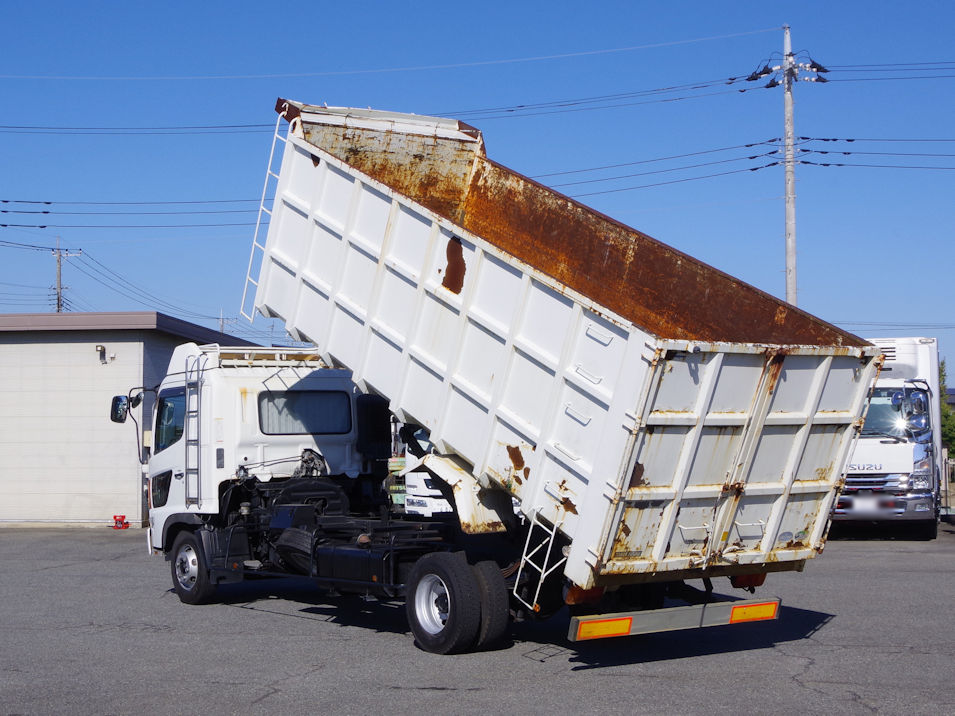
x: 651, y: 418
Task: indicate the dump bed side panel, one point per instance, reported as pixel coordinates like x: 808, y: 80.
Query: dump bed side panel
x: 533, y: 386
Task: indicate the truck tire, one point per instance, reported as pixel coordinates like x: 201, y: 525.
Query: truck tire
x: 495, y: 605
x: 190, y: 575
x: 443, y: 603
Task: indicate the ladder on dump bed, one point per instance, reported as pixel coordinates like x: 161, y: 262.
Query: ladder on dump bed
x: 247, y: 309
x: 191, y: 432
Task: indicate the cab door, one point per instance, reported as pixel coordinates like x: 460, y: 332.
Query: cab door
x: 167, y: 463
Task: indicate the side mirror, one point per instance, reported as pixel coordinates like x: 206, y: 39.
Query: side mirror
x: 919, y: 401
x: 119, y: 409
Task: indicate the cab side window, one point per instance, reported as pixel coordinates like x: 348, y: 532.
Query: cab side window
x: 170, y: 418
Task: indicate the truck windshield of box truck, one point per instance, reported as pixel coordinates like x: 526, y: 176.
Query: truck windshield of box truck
x: 899, y: 413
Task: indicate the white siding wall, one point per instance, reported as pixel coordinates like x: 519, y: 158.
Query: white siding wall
x: 61, y: 459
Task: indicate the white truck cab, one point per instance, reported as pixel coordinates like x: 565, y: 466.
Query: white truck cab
x: 893, y: 474
x: 242, y: 412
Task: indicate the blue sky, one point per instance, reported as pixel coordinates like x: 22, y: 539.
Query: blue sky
x: 122, y: 115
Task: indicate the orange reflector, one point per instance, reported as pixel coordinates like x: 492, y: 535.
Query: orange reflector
x: 601, y: 628
x: 754, y: 612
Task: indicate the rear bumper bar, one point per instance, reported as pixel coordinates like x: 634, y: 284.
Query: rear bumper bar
x: 601, y: 626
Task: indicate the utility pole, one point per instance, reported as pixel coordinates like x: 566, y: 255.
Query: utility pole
x: 790, y: 73
x: 59, y: 272
x: 789, y: 76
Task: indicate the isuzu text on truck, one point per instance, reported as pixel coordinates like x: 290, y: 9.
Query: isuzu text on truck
x: 654, y: 420
x: 895, y: 471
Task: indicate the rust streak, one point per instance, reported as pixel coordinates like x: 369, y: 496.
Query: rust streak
x: 569, y: 506
x: 517, y: 459
x: 776, y: 368
x: 636, y: 477
x: 454, y: 275
x: 658, y: 288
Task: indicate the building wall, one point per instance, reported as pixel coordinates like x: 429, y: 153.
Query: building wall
x: 61, y: 459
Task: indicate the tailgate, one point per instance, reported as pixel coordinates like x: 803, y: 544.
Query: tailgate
x: 738, y: 456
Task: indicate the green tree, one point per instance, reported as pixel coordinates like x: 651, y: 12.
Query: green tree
x: 948, y: 415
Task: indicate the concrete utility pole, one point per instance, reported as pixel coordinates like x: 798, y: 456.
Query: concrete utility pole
x: 59, y: 273
x: 790, y: 73
x: 789, y: 76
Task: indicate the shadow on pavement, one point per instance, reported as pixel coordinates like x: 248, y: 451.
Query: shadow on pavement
x: 538, y: 640
x: 550, y: 640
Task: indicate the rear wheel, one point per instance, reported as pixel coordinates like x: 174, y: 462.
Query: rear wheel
x: 190, y: 575
x: 443, y: 603
x: 495, y: 607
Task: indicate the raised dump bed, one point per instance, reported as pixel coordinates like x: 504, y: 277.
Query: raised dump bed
x: 657, y: 417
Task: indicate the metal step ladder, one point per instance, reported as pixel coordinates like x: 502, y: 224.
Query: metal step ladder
x: 192, y: 433
x: 536, y: 558
x: 247, y: 310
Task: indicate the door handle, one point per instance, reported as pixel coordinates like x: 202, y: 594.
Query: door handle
x: 177, y: 475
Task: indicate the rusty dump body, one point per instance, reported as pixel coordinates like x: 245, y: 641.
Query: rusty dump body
x: 660, y: 289
x: 666, y: 419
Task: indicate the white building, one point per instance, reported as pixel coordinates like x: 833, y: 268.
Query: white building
x: 61, y: 459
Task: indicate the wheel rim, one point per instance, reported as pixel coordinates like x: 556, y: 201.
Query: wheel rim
x: 187, y: 567
x: 432, y: 603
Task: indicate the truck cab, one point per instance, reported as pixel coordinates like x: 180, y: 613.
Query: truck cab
x: 222, y: 413
x: 893, y: 475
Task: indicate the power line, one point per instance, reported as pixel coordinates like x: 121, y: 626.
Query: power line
x: 892, y: 64
x: 664, y: 171
x: 128, y: 203
x: 614, y: 106
x: 882, y: 154
x: 124, y: 226
x: 675, y: 181
x: 871, y: 166
x: 890, y: 79
x: 125, y: 213
x: 111, y: 277
x: 658, y: 159
x: 705, y: 84
x: 25, y: 247
x: 871, y: 139
x: 332, y: 73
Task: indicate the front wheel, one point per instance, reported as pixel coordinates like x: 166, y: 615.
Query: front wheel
x: 190, y: 575
x: 443, y: 603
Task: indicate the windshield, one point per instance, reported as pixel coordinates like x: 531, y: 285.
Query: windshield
x: 897, y: 412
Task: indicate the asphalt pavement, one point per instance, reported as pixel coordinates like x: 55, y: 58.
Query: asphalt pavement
x: 89, y: 625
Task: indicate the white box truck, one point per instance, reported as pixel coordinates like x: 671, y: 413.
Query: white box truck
x: 653, y: 419
x: 895, y: 471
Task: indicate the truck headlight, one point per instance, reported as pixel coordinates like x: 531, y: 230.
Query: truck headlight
x: 921, y: 477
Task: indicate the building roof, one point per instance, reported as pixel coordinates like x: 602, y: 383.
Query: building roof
x: 118, y: 321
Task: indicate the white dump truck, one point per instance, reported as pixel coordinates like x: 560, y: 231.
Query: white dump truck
x: 895, y: 471
x: 609, y: 418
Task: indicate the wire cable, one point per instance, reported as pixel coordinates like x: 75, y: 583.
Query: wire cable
x: 675, y: 181
x: 664, y: 171
x: 334, y: 73
x: 658, y: 159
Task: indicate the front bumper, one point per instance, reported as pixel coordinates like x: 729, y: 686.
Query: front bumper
x: 879, y: 506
